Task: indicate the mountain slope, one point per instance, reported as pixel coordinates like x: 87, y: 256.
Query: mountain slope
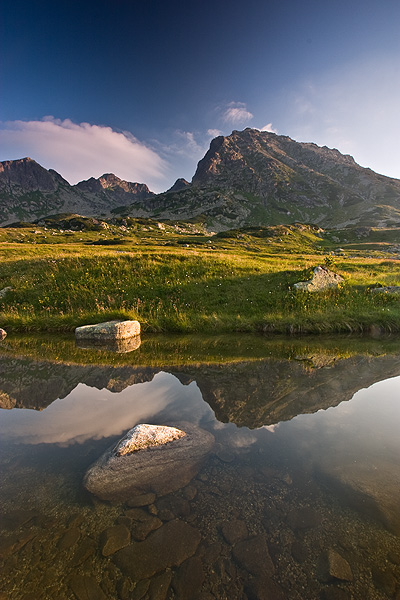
x: 260, y: 178
x: 249, y: 178
x: 28, y: 191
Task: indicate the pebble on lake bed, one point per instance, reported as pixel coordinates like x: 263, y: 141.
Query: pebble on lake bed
x: 3, y: 334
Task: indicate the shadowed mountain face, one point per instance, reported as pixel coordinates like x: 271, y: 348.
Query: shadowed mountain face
x: 249, y: 394
x: 28, y: 191
x: 248, y: 178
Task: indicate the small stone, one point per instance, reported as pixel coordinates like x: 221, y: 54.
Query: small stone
x: 253, y: 555
x: 3, y: 334
x: 166, y: 515
x: 168, y: 546
x: 140, y: 590
x: 299, y: 551
x: 303, y: 518
x: 180, y: 507
x: 69, y: 539
x: 140, y: 531
x: 234, y: 531
x: 332, y: 566
x: 189, y: 578
x: 190, y: 492
x: 137, y: 514
x: 5, y: 291
x: 142, y: 500
x: 224, y: 454
x: 212, y: 552
x: 385, y: 581
x: 159, y: 586
x: 124, y: 588
x: 86, y: 588
x: 85, y: 549
x: 115, y: 538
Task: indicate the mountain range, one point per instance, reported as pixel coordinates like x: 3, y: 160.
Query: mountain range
x: 248, y: 178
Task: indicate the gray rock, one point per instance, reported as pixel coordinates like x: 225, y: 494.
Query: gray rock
x: 390, y: 289
x: 159, y: 469
x: 167, y: 547
x: 5, y: 290
x: 333, y: 566
x: 110, y: 330
x: 322, y: 279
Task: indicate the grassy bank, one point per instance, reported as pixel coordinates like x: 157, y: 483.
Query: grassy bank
x: 186, y: 282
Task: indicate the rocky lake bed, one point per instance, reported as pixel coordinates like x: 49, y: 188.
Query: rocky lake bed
x: 273, y: 512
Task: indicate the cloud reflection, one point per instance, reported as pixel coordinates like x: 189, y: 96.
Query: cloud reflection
x: 89, y: 413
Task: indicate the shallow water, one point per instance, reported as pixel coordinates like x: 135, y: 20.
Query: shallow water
x: 299, y: 498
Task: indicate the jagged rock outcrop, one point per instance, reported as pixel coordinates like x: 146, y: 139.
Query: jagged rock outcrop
x: 28, y: 191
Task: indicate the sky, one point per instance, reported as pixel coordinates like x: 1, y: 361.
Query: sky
x: 139, y: 89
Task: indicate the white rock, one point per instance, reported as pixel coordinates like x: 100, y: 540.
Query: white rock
x: 322, y: 279
x: 110, y: 330
x: 143, y: 436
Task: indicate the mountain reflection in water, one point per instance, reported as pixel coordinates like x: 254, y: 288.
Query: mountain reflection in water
x: 304, y: 477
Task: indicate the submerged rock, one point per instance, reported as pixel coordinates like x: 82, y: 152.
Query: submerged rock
x: 110, y: 330
x: 140, y: 464
x: 322, y: 279
x: 167, y: 547
x: 372, y: 490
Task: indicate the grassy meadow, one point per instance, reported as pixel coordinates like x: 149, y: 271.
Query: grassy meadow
x: 177, y: 278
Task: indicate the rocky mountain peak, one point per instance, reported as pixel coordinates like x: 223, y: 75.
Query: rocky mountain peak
x: 180, y: 184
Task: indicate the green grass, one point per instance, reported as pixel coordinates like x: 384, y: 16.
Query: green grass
x: 172, y: 280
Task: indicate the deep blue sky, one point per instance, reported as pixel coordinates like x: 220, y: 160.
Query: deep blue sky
x: 174, y: 74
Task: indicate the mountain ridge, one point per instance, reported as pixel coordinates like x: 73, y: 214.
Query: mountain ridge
x: 247, y: 178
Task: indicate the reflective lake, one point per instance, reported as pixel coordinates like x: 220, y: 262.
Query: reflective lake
x: 298, y: 499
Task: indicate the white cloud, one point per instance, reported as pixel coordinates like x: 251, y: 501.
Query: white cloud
x: 236, y: 113
x: 269, y: 128
x: 79, y: 151
x: 214, y: 132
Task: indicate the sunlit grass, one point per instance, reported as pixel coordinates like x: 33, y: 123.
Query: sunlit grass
x: 230, y: 287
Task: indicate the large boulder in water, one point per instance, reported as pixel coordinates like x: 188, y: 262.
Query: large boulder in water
x: 149, y: 458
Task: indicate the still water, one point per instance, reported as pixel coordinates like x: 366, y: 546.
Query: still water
x: 298, y: 499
